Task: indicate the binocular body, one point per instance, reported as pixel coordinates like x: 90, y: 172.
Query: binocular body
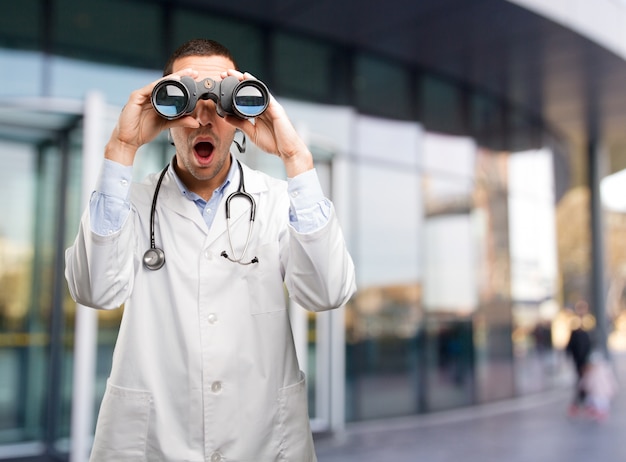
x: 246, y: 99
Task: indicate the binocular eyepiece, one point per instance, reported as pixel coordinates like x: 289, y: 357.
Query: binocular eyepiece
x: 246, y: 99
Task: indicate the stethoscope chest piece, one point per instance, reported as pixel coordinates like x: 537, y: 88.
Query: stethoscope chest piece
x: 154, y: 258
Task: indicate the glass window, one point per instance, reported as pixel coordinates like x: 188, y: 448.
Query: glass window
x: 302, y: 68
x: 524, y: 134
x: 383, y: 321
x: 441, y: 108
x: 450, y: 289
x: 534, y: 281
x: 49, y: 288
x: 382, y: 88
x: 20, y: 26
x: 493, y: 319
x: 390, y: 218
x: 30, y: 67
x: 27, y: 285
x: 329, y: 128
x: 390, y: 141
x: 449, y: 156
x: 449, y: 262
x: 486, y: 121
x: 71, y: 78
x: 22, y: 366
x: 84, y: 30
x: 448, y: 363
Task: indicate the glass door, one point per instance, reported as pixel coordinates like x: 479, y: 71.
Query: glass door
x: 320, y: 341
x: 35, y: 329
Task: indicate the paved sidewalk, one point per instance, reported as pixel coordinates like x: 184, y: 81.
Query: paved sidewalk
x: 529, y: 429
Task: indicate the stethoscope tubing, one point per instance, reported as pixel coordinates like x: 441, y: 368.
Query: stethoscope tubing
x: 154, y: 257
x: 241, y: 192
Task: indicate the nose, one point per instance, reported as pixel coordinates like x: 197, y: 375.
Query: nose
x: 205, y: 112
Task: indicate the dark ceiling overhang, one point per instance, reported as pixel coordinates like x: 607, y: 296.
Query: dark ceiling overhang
x: 575, y: 85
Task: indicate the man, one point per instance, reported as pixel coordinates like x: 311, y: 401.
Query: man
x: 579, y: 347
x: 204, y: 367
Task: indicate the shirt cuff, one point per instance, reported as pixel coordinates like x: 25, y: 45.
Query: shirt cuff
x: 310, y: 209
x: 109, y: 206
x: 115, y: 179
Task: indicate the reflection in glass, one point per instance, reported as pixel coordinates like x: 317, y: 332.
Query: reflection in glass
x: 450, y: 271
x: 249, y: 101
x: 381, y: 87
x: 26, y: 252
x: 492, y: 320
x: 383, y: 320
x: 171, y: 100
x: 534, y: 281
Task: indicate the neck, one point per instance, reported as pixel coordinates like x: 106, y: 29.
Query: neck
x: 203, y: 188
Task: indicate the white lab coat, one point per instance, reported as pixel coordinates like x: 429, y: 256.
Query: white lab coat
x: 204, y: 368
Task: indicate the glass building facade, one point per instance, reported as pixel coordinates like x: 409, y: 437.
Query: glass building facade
x: 448, y: 195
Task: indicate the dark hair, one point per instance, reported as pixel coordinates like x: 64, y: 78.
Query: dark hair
x: 198, y: 47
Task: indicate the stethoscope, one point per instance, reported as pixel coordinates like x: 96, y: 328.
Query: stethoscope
x: 154, y: 258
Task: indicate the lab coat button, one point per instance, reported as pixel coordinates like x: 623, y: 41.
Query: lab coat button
x: 212, y: 318
x: 216, y: 457
x: 207, y: 254
x: 216, y: 387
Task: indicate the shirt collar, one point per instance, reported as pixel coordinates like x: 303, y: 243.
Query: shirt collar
x: 192, y: 195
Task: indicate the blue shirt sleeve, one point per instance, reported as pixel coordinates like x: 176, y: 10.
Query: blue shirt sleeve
x: 109, y: 206
x: 309, y: 209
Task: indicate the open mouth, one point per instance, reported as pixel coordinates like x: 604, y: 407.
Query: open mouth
x: 204, y: 149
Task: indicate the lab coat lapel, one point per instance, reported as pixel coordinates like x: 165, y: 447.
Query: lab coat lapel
x: 239, y: 207
x: 171, y: 197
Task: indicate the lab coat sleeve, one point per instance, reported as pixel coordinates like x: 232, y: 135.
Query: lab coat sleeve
x: 99, y: 269
x: 320, y: 273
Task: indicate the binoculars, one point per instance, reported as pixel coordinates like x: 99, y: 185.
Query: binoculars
x: 246, y: 99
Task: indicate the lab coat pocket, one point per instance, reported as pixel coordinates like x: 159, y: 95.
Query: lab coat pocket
x: 122, y: 428
x: 265, y: 282
x: 293, y: 418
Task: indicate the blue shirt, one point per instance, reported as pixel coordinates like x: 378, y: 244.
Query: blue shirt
x: 109, y: 206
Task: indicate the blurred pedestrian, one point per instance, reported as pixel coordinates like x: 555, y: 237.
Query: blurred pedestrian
x: 579, y: 348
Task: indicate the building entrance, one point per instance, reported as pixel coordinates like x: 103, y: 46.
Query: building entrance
x: 40, y: 154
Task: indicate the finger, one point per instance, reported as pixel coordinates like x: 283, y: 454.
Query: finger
x: 233, y: 73
x: 174, y: 76
x: 183, y: 72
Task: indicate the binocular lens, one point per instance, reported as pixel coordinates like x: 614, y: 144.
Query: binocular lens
x: 249, y: 100
x: 170, y: 99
